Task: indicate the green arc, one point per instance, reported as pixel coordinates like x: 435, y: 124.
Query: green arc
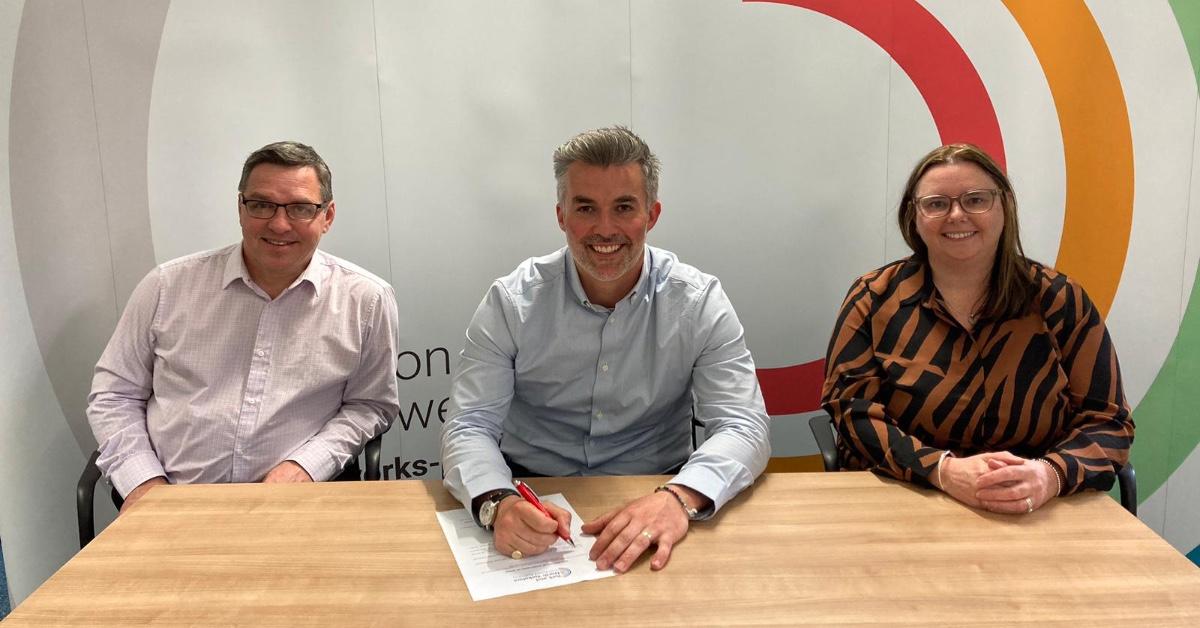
x: 1170, y: 401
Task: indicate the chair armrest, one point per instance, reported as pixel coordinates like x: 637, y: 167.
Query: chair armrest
x: 822, y: 430
x: 371, y: 454
x: 1127, y: 484
x: 85, y: 493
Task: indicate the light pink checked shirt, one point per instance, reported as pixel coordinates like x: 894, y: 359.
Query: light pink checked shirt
x: 206, y: 379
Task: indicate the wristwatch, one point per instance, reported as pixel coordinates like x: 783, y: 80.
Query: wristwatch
x: 485, y: 516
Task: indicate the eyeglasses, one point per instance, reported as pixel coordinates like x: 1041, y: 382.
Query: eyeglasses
x: 972, y: 202
x: 298, y: 212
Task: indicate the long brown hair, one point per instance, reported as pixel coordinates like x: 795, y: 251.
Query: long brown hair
x: 1011, y: 289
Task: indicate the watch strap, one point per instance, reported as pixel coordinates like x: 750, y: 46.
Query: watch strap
x: 496, y: 496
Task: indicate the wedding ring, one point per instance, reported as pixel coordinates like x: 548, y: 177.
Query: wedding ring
x: 1028, y: 505
x: 648, y: 534
x: 517, y: 555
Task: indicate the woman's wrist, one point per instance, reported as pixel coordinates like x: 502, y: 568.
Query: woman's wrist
x: 1058, y: 483
x: 941, y: 463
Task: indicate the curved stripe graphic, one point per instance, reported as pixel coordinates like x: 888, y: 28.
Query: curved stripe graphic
x: 962, y: 112
x: 1097, y: 141
x: 1167, y: 430
x: 932, y: 59
x: 792, y: 389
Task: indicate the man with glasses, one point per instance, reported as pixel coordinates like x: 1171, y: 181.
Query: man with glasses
x: 267, y: 360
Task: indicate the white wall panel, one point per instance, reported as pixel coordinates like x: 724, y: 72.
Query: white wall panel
x: 39, y: 456
x: 233, y: 76
x: 475, y: 96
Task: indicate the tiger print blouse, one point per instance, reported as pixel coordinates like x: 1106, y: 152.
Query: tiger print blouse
x: 904, y: 381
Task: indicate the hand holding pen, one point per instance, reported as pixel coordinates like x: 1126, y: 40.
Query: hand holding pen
x: 531, y: 497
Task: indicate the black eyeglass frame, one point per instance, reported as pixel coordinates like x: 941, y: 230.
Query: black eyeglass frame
x: 289, y: 209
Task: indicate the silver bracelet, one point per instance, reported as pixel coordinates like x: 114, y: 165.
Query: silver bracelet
x: 941, y: 459
x: 1057, y: 480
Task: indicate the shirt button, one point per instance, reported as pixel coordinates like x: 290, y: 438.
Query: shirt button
x: 599, y: 414
x: 251, y: 401
x: 604, y: 367
x: 260, y: 353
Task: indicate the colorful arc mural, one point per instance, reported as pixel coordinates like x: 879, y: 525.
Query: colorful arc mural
x: 1097, y: 143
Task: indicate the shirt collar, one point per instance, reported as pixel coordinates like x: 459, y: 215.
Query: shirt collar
x: 645, y: 283
x: 926, y: 294
x: 640, y: 289
x: 235, y: 268
x: 573, y: 278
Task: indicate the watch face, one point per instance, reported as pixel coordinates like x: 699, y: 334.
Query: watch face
x: 487, y: 513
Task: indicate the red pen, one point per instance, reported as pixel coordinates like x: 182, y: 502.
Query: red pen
x: 532, y: 498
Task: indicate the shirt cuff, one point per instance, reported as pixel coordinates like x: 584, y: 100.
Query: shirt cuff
x: 708, y: 484
x: 316, y: 461
x: 1059, y: 463
x: 135, y: 470
x: 921, y: 464
x: 490, y: 482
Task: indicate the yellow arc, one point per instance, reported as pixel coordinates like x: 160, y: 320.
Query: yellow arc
x: 1097, y: 143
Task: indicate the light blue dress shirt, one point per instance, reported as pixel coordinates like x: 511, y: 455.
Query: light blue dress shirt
x: 566, y: 387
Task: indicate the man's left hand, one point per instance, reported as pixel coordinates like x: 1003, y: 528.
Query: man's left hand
x: 287, y: 471
x: 622, y: 535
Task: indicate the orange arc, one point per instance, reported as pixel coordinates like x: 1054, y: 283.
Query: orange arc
x: 1097, y: 142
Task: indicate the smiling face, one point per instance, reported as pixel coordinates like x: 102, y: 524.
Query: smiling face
x: 605, y: 215
x: 958, y: 237
x: 276, y: 249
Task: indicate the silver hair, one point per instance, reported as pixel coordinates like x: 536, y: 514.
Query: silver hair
x: 290, y: 154
x: 612, y: 146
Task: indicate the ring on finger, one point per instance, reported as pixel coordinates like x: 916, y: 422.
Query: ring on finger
x: 1028, y: 505
x: 517, y: 555
x: 649, y: 535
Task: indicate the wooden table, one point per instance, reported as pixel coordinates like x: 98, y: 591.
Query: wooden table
x: 799, y: 548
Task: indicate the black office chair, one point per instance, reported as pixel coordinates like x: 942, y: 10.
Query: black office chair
x: 822, y: 429
x: 1127, y: 485
x: 85, y: 491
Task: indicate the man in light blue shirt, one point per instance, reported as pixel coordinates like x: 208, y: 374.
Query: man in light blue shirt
x: 593, y: 360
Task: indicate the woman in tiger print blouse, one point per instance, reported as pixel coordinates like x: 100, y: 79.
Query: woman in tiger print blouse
x: 969, y: 367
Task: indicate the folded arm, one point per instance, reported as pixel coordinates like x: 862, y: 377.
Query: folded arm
x: 737, y: 445
x: 853, y: 382
x: 481, y: 393
x: 121, y: 389
x: 1100, y: 432
x: 728, y: 403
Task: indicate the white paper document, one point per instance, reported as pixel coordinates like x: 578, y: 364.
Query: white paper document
x: 490, y: 574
